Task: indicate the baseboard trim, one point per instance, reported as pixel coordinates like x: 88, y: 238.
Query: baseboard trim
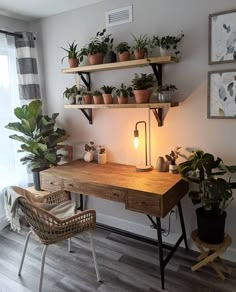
x: 143, y: 230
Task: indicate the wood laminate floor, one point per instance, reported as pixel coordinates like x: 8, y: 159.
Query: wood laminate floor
x: 125, y: 265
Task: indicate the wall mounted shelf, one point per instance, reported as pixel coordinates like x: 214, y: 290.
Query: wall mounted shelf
x: 157, y: 108
x: 156, y: 64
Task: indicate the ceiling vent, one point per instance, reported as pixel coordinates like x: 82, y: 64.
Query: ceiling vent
x: 119, y: 16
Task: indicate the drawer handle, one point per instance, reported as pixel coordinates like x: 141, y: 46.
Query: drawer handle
x: 116, y: 194
x: 51, y: 183
x: 70, y: 185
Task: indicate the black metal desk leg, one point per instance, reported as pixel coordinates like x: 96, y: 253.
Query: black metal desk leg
x: 182, y: 225
x: 162, y: 267
x: 81, y: 202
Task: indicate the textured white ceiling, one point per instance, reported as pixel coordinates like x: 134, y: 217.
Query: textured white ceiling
x: 33, y: 9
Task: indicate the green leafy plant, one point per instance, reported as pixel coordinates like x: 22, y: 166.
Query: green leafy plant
x: 89, y: 146
x: 141, y: 42
x: 70, y: 91
x: 97, y: 93
x: 142, y: 81
x: 174, y: 154
x: 168, y: 42
x: 122, y: 47
x: 40, y: 138
x: 101, y: 43
x: 86, y: 92
x: 72, y: 51
x: 101, y: 149
x: 108, y: 89
x: 124, y: 91
x: 162, y: 88
x: 214, y: 192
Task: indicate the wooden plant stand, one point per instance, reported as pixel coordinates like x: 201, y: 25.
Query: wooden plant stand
x: 210, y: 253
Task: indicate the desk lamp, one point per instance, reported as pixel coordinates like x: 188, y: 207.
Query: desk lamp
x: 136, y: 143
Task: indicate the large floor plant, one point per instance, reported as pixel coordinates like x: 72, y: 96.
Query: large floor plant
x: 214, y: 192
x: 40, y: 137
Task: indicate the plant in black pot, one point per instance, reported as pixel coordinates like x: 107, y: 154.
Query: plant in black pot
x: 40, y: 138
x: 214, y: 193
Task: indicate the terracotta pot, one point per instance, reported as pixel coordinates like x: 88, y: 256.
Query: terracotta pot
x: 107, y: 98
x: 95, y: 59
x: 73, y: 63
x: 87, y: 99
x: 97, y: 99
x: 124, y: 56
x: 142, y: 96
x: 122, y: 99
x: 139, y: 54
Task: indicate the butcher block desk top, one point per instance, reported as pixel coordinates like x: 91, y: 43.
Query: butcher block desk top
x: 152, y: 193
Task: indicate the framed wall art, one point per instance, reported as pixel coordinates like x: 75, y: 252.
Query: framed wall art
x: 222, y: 37
x: 222, y: 94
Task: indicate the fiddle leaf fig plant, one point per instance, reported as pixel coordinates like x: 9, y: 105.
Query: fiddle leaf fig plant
x: 40, y: 137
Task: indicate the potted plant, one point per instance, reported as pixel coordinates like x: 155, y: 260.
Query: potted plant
x: 87, y: 96
x: 102, y: 155
x: 171, y: 158
x: 72, y: 55
x: 140, y: 46
x: 123, y: 50
x: 39, y: 139
x: 123, y: 93
x: 107, y: 95
x: 164, y: 92
x: 214, y: 192
x: 168, y: 44
x: 97, y: 97
x: 70, y: 93
x: 96, y: 48
x: 141, y: 84
x: 89, y: 148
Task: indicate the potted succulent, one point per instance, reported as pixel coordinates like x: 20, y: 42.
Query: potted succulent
x: 171, y: 158
x: 107, y: 95
x: 141, y: 84
x: 70, y: 93
x: 123, y: 93
x: 39, y: 139
x: 87, y: 96
x: 97, y: 97
x: 72, y: 55
x: 96, y: 48
x: 168, y: 44
x: 214, y: 192
x: 140, y: 46
x: 123, y: 50
x: 102, y: 155
x: 89, y: 149
x: 164, y: 92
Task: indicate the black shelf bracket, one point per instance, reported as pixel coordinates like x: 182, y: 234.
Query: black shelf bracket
x: 157, y: 70
x: 158, y: 114
x: 88, y: 113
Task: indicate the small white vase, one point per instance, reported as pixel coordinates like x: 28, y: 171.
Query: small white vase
x: 173, y: 168
x: 160, y: 165
x: 71, y: 99
x: 102, y: 158
x: 165, y: 52
x: 88, y: 157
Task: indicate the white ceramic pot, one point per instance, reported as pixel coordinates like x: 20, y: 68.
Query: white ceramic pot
x: 102, y: 158
x: 160, y: 165
x: 71, y: 99
x: 88, y: 157
x: 173, y: 168
x: 165, y: 52
x: 165, y: 96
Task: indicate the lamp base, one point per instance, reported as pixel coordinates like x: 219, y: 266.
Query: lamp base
x: 142, y: 167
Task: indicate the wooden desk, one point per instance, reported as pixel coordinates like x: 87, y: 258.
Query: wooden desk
x: 152, y: 193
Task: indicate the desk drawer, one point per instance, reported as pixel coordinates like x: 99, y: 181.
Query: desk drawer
x: 144, y: 203
x: 50, y: 183
x: 105, y: 192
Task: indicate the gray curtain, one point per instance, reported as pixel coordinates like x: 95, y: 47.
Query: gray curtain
x: 27, y: 67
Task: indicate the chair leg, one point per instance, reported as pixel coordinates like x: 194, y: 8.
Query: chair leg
x: 42, y: 267
x: 69, y: 245
x: 24, y: 252
x: 94, y: 257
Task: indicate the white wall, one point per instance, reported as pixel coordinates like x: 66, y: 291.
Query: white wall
x: 186, y: 125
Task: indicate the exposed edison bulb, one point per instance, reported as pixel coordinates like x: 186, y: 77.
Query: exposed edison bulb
x: 136, y: 142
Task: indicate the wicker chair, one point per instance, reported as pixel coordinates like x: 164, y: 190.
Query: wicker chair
x: 49, y: 229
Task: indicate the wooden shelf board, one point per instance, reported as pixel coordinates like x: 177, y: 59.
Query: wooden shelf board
x: 116, y: 106
x: 122, y: 65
